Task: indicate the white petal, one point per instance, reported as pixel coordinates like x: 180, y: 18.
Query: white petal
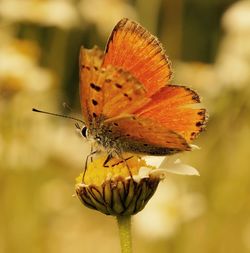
x: 167, y: 162
x: 154, y: 160
x: 183, y: 169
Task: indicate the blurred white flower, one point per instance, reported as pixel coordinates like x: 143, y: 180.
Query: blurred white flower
x: 232, y: 64
x: 59, y: 13
x: 32, y: 149
x: 233, y: 61
x: 19, y: 67
x: 105, y: 13
x: 237, y: 18
x: 167, y: 210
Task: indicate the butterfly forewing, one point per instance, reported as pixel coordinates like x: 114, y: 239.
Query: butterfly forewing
x: 134, y: 49
x: 123, y: 94
x: 91, y: 80
x: 107, y: 92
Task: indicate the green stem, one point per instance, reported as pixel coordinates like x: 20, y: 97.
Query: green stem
x: 124, y: 225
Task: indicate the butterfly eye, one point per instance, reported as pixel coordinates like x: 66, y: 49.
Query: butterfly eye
x: 84, y: 132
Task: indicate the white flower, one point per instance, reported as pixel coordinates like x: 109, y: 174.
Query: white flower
x: 19, y: 67
x: 237, y: 19
x: 44, y: 141
x: 232, y: 63
x: 105, y: 13
x: 104, y: 189
x: 60, y: 13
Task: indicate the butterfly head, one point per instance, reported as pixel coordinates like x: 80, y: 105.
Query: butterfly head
x: 82, y: 131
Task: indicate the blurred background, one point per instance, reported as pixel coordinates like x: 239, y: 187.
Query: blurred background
x: 40, y: 156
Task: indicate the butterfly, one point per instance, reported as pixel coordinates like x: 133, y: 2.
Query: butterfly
x: 126, y: 100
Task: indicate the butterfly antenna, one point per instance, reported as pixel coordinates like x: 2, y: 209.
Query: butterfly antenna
x: 58, y: 115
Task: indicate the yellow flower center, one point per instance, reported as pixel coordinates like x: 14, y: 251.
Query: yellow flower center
x: 96, y: 173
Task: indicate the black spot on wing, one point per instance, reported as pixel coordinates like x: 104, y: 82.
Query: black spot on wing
x: 85, y: 67
x: 119, y: 86
x: 127, y: 96
x: 193, y: 134
x: 95, y: 87
x: 94, y: 102
x: 201, y: 113
x: 199, y: 123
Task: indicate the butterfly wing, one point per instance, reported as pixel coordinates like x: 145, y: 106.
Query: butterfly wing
x: 126, y: 87
x: 175, y: 107
x: 106, y: 92
x: 132, y: 48
x: 143, y: 136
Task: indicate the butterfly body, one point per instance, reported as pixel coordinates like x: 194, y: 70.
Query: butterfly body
x: 128, y: 104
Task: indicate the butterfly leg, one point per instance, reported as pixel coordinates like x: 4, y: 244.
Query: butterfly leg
x: 113, y: 165
x: 125, y: 162
x: 109, y: 157
x: 86, y: 162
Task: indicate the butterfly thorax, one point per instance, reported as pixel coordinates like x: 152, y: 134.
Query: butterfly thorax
x: 105, y: 137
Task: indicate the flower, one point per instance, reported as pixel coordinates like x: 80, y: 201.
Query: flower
x: 232, y: 63
x: 236, y: 19
x: 124, y: 188
x: 106, y: 13
x: 19, y: 69
x: 59, y: 13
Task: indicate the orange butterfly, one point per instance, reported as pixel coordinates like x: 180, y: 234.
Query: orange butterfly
x: 127, y: 102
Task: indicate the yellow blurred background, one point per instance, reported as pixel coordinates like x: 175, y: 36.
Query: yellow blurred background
x: 40, y: 156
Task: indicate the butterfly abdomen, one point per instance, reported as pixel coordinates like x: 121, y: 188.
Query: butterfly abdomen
x: 146, y: 149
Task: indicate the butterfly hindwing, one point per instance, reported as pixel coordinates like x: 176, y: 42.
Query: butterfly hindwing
x: 132, y: 48
x: 175, y: 107
x: 143, y: 136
